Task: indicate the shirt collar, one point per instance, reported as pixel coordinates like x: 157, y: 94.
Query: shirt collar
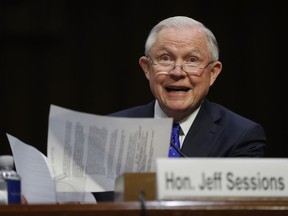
x: 185, y: 123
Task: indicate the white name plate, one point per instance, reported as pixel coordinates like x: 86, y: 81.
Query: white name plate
x: 183, y: 178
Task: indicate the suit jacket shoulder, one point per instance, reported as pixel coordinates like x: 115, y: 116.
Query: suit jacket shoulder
x: 144, y: 111
x: 219, y: 132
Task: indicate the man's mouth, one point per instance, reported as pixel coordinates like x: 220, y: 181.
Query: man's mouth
x: 170, y: 89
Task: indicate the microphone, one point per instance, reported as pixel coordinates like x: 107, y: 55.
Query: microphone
x: 178, y: 150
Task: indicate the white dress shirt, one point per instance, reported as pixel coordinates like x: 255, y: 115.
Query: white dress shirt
x: 185, y: 123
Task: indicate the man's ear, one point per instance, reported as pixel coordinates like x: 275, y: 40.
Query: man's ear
x: 145, y: 65
x: 215, y: 71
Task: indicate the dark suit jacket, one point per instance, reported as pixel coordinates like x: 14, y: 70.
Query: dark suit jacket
x: 215, y: 132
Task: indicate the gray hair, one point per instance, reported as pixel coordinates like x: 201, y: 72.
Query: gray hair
x: 183, y: 21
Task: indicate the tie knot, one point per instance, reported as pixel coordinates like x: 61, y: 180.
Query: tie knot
x: 176, y: 128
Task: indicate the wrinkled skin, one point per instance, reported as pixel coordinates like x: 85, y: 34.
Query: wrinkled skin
x: 178, y: 93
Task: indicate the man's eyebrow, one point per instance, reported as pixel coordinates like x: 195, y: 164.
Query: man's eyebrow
x: 195, y: 50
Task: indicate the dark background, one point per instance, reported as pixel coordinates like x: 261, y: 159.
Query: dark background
x: 83, y: 55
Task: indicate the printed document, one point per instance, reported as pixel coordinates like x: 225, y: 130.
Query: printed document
x: 37, y: 184
x: 87, y: 151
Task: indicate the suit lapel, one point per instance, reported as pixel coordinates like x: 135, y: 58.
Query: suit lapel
x: 203, y: 134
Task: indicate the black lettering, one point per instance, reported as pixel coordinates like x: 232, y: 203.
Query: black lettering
x: 230, y: 184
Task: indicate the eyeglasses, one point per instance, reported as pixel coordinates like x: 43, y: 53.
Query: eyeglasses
x: 189, y: 68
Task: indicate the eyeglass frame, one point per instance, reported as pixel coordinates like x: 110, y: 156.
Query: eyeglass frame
x: 181, y: 66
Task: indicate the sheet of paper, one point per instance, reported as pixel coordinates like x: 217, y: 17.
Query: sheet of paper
x: 36, y: 181
x: 88, y: 151
x: 37, y: 184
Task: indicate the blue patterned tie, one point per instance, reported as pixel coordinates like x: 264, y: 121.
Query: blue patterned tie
x: 175, y: 140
